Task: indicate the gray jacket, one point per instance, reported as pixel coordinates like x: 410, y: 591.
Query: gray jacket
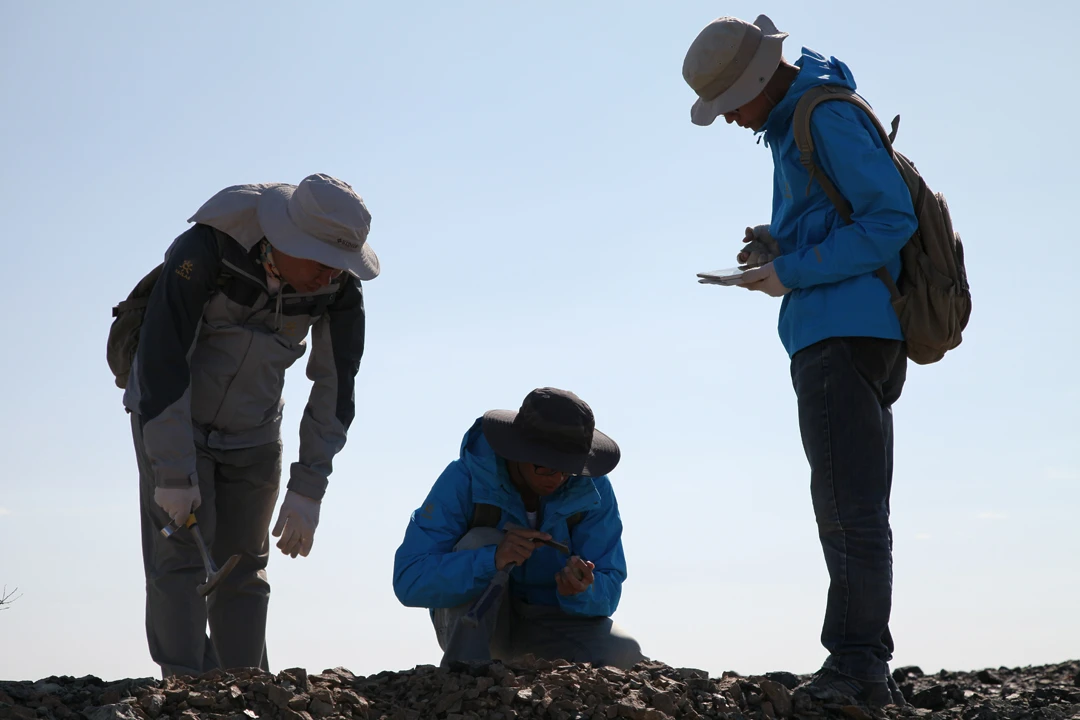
x: 213, y: 350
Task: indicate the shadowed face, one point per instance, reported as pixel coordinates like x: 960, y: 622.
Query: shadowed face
x: 752, y: 115
x: 541, y: 480
x: 304, y: 275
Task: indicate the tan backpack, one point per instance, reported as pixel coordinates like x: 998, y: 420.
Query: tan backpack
x: 128, y: 316
x: 931, y: 297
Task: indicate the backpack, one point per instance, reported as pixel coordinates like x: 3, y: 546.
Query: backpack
x: 931, y: 296
x: 128, y: 317
x: 485, y: 515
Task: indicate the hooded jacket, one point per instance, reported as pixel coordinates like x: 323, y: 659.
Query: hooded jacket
x: 428, y: 573
x: 213, y: 350
x: 829, y: 266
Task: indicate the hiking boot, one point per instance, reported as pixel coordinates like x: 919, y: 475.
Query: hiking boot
x: 897, y: 696
x: 828, y: 683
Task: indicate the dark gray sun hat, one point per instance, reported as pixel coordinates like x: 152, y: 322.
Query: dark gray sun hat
x: 555, y: 429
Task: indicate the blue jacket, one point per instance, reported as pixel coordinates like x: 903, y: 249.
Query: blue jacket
x: 427, y: 573
x: 828, y: 265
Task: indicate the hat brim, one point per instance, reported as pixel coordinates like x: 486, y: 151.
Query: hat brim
x: 284, y: 235
x: 506, y: 440
x: 750, y: 84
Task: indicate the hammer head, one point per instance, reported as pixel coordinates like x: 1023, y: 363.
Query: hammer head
x: 213, y: 578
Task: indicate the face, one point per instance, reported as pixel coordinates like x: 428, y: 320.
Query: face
x: 541, y: 480
x: 304, y: 275
x: 752, y: 115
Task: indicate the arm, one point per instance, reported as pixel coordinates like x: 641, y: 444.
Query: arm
x: 337, y: 346
x: 850, y: 152
x: 598, y: 538
x: 166, y: 340
x: 427, y: 571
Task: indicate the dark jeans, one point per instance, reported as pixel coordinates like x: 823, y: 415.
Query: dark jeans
x: 846, y: 388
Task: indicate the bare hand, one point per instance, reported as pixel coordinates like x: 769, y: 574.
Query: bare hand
x: 763, y: 279
x: 576, y: 577
x: 517, y: 546
x: 760, y: 247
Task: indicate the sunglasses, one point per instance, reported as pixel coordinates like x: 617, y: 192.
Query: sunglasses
x: 548, y: 472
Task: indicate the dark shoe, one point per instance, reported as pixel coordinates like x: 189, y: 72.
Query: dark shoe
x: 829, y: 682
x: 897, y: 696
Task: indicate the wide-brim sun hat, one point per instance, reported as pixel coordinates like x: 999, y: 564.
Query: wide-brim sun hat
x: 729, y: 64
x: 321, y: 219
x: 554, y: 429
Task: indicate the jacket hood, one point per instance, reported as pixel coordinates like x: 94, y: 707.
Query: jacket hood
x: 814, y: 70
x: 479, y: 457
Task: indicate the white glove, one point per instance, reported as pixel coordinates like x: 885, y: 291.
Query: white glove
x: 760, y: 247
x: 178, y: 503
x: 297, y: 520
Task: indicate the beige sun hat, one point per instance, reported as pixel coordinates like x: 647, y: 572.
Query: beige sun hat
x: 321, y: 219
x: 729, y: 63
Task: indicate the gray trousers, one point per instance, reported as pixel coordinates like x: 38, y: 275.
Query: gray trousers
x: 516, y: 628
x: 239, y: 490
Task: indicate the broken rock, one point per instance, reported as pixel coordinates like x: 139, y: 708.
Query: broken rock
x: 116, y: 711
x: 553, y: 690
x: 152, y: 703
x: 779, y: 697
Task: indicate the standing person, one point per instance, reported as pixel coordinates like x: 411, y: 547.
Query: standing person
x: 524, y: 478
x: 226, y: 314
x: 847, y: 350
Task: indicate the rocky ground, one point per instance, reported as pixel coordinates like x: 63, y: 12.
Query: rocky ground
x: 538, y: 689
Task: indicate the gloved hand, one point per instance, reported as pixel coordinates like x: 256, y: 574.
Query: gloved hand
x: 297, y: 520
x: 760, y: 247
x: 178, y: 502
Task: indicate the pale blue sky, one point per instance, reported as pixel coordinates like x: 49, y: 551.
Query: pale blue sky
x: 541, y: 203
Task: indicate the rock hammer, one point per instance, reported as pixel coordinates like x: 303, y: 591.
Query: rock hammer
x: 214, y: 575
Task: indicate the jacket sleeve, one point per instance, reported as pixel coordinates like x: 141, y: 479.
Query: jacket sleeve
x: 427, y: 571
x: 337, y: 346
x: 850, y: 152
x: 598, y: 538
x: 167, y: 338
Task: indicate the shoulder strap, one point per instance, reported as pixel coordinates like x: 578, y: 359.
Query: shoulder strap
x: 223, y: 272
x: 804, y: 141
x: 574, y: 519
x: 485, y: 515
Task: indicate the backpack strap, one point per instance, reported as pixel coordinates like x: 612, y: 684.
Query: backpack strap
x: 804, y: 141
x: 132, y: 304
x: 327, y: 299
x: 485, y: 515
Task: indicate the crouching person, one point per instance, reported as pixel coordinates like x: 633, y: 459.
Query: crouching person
x: 525, y: 483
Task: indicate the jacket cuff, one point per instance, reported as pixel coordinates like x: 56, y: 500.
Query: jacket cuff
x: 191, y: 480
x: 787, y: 271
x: 582, y: 604
x: 484, y: 563
x: 307, y: 482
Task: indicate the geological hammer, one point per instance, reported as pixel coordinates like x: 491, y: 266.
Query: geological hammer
x: 213, y: 575
x: 565, y: 550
